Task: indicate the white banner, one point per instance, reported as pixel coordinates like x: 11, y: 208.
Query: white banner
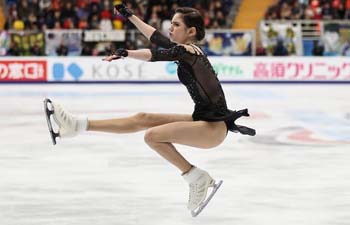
x: 227, y: 68
x: 93, y: 69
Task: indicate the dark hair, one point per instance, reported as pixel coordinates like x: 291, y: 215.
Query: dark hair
x: 192, y: 18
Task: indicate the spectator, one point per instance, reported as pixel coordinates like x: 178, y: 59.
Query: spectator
x: 32, y: 21
x: 18, y: 24
x: 68, y: 23
x: 220, y: 18
x: 94, y: 12
x: 207, y: 20
x: 105, y: 25
x: 154, y: 21
x: 57, y: 25
x: 53, y: 19
x: 82, y: 12
x: 339, y: 9
x: 14, y: 49
x: 280, y: 49
x: 285, y: 11
x: 68, y: 14
x: 23, y: 10
x: 106, y: 13
x: 327, y: 11
x: 86, y: 51
x: 347, y: 15
x: 83, y: 24
x: 309, y: 13
x: 36, y: 50
x: 318, y: 49
x: 62, y: 50
x: 117, y: 22
x: 55, y: 5
x: 297, y: 11
x: 271, y: 13
x: 316, y: 8
x: 94, y: 23
x: 44, y: 4
x: 260, y: 50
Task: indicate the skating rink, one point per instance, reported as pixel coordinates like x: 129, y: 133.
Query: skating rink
x: 295, y: 171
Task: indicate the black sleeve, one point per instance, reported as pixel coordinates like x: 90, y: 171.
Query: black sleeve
x: 160, y: 40
x: 172, y: 54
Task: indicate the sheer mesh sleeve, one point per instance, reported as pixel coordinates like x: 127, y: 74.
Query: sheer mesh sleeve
x: 172, y: 54
x: 160, y: 40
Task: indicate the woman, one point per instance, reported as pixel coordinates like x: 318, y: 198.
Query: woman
x: 206, y: 128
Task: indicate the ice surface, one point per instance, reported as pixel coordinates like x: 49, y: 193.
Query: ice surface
x: 296, y: 171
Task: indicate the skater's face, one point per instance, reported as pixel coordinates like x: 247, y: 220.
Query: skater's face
x: 179, y: 32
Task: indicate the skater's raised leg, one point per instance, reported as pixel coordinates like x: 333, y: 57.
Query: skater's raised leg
x: 137, y: 122
x: 70, y: 125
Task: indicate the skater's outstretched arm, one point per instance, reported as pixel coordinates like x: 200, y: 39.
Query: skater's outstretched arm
x: 141, y: 54
x: 171, y: 54
x: 144, y: 28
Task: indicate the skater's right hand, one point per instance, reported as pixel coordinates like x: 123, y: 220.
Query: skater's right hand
x: 123, y: 9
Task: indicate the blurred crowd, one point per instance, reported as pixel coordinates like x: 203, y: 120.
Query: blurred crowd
x: 41, y: 15
x: 98, y: 14
x: 309, y: 10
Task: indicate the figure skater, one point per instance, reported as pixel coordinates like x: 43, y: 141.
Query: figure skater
x: 206, y: 128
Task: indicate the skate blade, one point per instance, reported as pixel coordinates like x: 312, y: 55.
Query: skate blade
x: 205, y: 203
x: 48, y: 113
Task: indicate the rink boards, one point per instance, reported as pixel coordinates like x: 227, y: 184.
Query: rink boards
x: 229, y: 69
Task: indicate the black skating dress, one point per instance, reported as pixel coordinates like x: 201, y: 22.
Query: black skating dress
x: 197, y: 74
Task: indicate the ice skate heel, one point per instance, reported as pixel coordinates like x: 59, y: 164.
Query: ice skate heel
x: 48, y: 109
x: 215, y: 187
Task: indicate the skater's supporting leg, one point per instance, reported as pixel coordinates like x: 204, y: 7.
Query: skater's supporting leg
x: 169, y: 152
x: 199, y: 134
x: 199, y: 181
x: 137, y: 122
x: 196, y: 134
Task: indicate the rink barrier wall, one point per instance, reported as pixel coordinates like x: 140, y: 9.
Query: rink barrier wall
x: 229, y: 70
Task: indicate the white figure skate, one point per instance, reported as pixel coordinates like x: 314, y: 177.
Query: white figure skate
x: 199, y: 182
x: 69, y: 125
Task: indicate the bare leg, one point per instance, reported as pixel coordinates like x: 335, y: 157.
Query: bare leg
x: 169, y: 152
x: 197, y: 134
x: 138, y: 122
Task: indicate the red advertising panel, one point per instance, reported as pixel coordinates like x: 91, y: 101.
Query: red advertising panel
x: 23, y: 70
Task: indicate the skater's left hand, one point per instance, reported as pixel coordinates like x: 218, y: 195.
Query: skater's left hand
x: 119, y: 53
